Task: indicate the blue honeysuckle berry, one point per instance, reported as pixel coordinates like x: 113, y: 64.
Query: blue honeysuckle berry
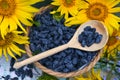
x: 74, y: 61
x: 23, y: 75
x: 99, y: 38
x: 93, y: 30
x: 89, y: 36
x: 84, y: 61
x: 7, y: 77
x: 15, y: 78
x: 65, y: 70
x: 80, y: 53
x: 30, y: 73
x: 18, y: 73
x: 83, y: 43
x: 60, y: 31
x: 59, y: 68
x: 69, y: 66
x: 90, y: 43
x: 87, y: 28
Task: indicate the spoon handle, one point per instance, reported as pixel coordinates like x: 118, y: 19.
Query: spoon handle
x: 41, y: 56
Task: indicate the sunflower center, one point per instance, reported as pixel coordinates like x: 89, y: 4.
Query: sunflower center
x: 7, y: 7
x: 112, y: 40
x: 97, y: 11
x: 8, y: 39
x: 68, y: 3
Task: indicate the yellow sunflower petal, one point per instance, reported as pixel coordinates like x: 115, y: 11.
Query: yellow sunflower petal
x: 73, y: 11
x: 114, y: 10
x: 66, y: 15
x: 112, y: 53
x: 72, y: 23
x: 20, y: 36
x: 30, y: 2
x: 24, y: 14
x: 10, y: 53
x: 24, y: 21
x: 110, y: 1
x: 113, y: 22
x: 5, y: 54
x: 119, y: 48
x: 83, y: 5
x: 23, y: 37
x: 63, y: 11
x: 83, y: 18
x: 60, y: 8
x: 16, y: 47
x: 91, y: 1
x: 70, y: 19
x: 17, y: 32
x: 14, y: 50
x: 1, y: 18
x: 56, y: 3
x: 77, y: 78
x: 4, y: 27
x: 110, y: 30
x: 1, y: 52
x: 115, y: 17
x: 114, y: 3
x: 21, y: 40
x: 18, y: 23
x: 24, y: 18
x: 28, y: 8
x: 80, y: 18
x: 13, y: 25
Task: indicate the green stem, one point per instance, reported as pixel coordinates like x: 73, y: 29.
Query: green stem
x: 109, y: 62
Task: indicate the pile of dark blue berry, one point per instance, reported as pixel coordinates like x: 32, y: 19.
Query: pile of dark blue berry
x: 51, y: 34
x: 21, y: 72
x: 89, y: 36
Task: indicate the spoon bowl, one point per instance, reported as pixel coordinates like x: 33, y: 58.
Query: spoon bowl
x: 73, y: 43
x: 100, y: 28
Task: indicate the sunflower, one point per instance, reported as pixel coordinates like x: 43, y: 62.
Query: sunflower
x: 67, y: 7
x: 8, y: 45
x: 15, y: 12
x: 113, y: 45
x: 92, y: 75
x: 102, y: 10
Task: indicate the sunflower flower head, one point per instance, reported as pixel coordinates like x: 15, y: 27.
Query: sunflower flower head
x: 15, y: 12
x: 66, y: 7
x: 102, y: 10
x: 8, y: 45
x: 113, y: 45
x: 92, y: 75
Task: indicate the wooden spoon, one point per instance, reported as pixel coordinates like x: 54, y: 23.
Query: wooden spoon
x: 73, y: 43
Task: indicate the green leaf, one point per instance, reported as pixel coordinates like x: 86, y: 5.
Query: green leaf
x: 109, y: 76
x: 36, y: 52
x: 36, y: 23
x: 57, y: 16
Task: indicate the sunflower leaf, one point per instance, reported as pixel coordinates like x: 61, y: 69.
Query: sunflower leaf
x: 57, y: 16
x: 36, y: 23
x: 36, y: 52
